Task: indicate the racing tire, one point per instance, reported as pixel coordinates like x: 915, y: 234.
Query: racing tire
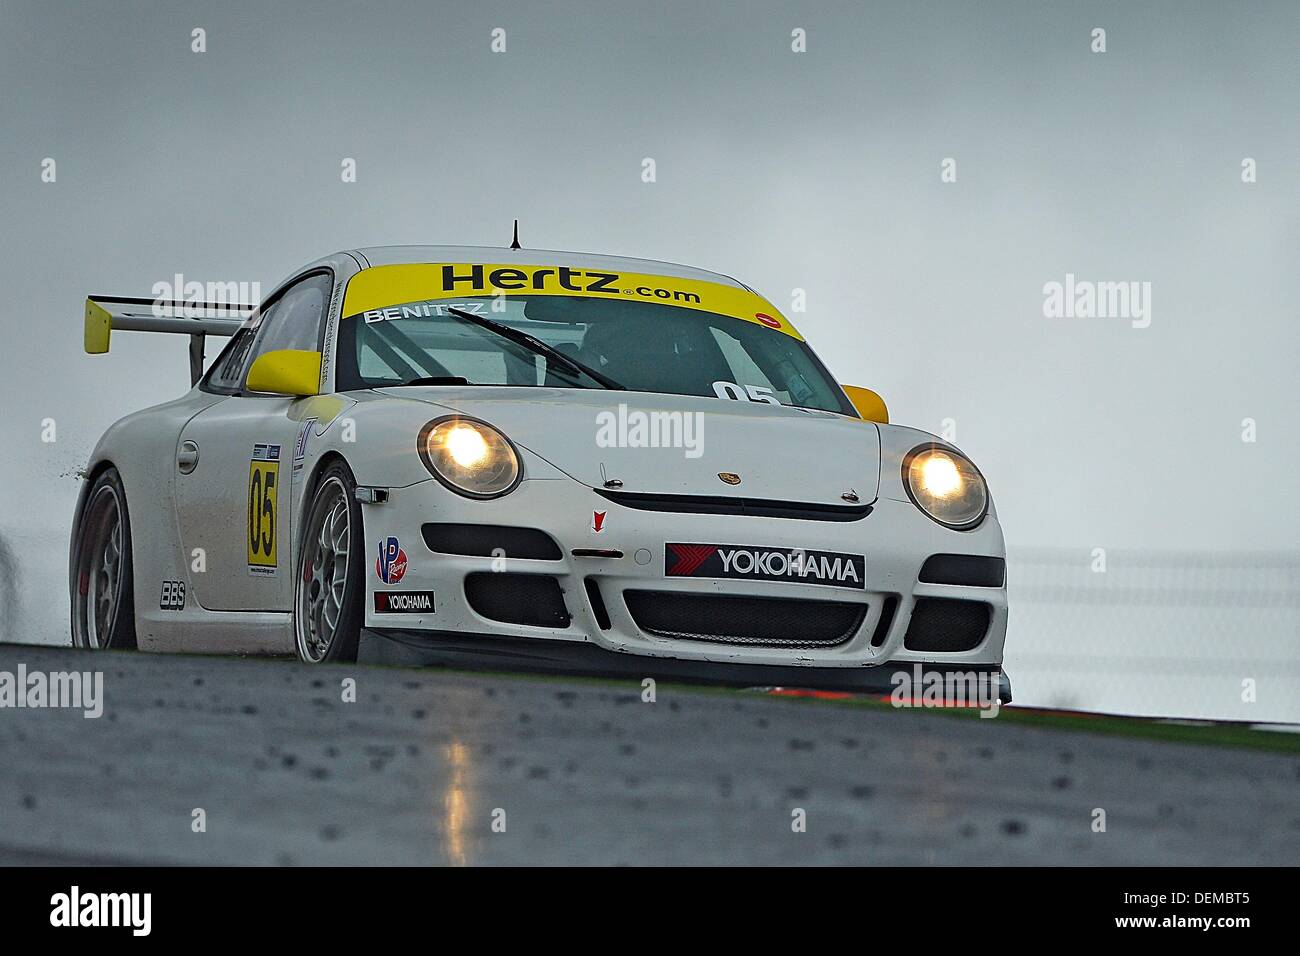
x: 102, y: 585
x: 330, y: 574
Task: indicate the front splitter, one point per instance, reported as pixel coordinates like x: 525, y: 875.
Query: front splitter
x: 529, y: 655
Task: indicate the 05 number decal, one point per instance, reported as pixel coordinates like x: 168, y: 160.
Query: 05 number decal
x: 263, y: 511
x: 747, y: 393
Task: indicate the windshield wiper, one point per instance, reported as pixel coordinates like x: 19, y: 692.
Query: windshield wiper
x: 536, y: 345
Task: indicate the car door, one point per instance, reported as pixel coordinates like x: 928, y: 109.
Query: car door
x: 235, y: 462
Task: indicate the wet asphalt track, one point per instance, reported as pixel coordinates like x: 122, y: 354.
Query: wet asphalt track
x: 585, y: 772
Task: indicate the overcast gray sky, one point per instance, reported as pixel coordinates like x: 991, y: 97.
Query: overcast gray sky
x: 816, y: 170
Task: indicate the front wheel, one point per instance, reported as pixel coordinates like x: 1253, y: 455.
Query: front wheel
x: 330, y: 581
x: 103, y: 600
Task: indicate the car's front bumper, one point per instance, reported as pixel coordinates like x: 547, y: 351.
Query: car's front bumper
x: 895, y: 538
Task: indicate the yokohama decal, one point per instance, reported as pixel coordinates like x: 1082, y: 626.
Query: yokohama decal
x: 404, y: 602
x: 753, y: 563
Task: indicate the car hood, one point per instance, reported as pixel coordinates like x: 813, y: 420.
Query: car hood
x: 780, y: 453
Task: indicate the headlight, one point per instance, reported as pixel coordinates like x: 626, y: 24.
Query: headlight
x: 946, y: 486
x: 470, y: 457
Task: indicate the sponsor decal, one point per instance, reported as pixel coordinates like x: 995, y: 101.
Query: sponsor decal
x: 263, y: 499
x: 300, y: 446
x: 423, y: 310
x: 730, y: 477
x: 403, y: 602
x: 753, y: 563
x: 598, y: 521
x: 172, y: 597
x: 480, y: 278
x: 380, y: 292
x: 390, y: 566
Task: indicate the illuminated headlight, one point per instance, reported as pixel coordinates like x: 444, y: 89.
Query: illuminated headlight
x: 946, y: 486
x: 470, y: 457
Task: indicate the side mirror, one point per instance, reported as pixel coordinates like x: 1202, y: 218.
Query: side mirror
x: 867, y: 404
x: 286, y: 372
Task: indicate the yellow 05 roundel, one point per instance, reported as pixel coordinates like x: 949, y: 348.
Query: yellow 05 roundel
x: 263, y: 489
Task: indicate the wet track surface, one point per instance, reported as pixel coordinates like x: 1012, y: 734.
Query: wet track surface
x: 417, y: 768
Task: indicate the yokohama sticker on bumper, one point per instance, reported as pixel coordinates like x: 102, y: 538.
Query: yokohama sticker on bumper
x: 756, y: 563
x: 403, y: 602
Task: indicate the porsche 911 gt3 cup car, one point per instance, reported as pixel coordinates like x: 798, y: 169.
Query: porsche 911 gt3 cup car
x: 574, y: 462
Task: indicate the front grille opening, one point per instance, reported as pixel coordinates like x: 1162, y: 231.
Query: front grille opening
x: 532, y: 599
x: 597, y: 603
x: 740, y: 619
x: 946, y: 626
x: 967, y: 570
x: 881, y: 633
x: 488, y: 540
x: 725, y: 505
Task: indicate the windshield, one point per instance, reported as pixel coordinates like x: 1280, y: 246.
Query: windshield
x: 643, y: 347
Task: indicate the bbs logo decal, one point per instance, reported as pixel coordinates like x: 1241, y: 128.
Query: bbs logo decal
x: 403, y: 602
x: 752, y: 563
x: 390, y: 566
x: 172, y: 597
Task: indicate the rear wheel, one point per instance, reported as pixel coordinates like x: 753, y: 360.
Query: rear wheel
x: 330, y: 580
x: 103, y: 600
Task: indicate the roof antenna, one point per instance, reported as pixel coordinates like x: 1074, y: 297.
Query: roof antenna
x: 514, y: 243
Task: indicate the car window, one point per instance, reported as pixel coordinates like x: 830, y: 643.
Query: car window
x: 482, y: 358
x: 639, y: 345
x: 295, y: 321
x: 744, y: 370
x: 228, y: 371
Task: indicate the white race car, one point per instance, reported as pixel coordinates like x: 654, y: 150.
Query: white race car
x: 573, y: 462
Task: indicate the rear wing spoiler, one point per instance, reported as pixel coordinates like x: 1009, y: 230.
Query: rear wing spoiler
x: 104, y: 313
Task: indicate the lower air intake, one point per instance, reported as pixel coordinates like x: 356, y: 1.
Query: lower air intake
x: 736, y: 619
x: 966, y: 570
x: 532, y: 599
x: 946, y: 626
x: 490, y: 541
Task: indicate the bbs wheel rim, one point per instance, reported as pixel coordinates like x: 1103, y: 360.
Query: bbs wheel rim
x: 99, y: 579
x: 323, y: 575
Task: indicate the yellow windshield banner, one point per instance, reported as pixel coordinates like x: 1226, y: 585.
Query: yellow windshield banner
x: 373, y: 293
